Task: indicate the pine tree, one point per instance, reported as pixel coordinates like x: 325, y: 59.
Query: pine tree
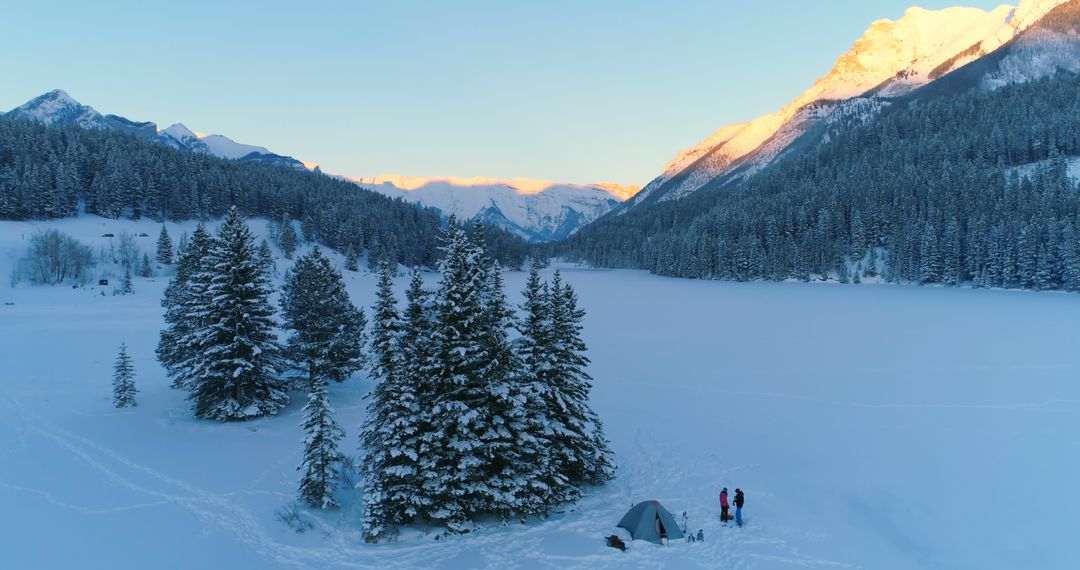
x: 164, y: 247
x: 516, y: 466
x: 460, y: 413
x: 375, y: 254
x: 178, y: 348
x: 582, y: 451
x: 534, y: 343
x: 266, y: 257
x: 326, y: 330
x: 287, y: 238
x: 352, y: 260
x: 145, y: 270
x: 534, y: 348
x: 389, y: 436
x: 127, y: 287
x: 124, y: 380
x: 235, y: 377
x: 321, y: 466
x: 386, y: 326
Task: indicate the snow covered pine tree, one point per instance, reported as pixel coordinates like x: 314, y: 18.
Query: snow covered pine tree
x: 326, y: 342
x: 123, y: 380
x: 178, y: 349
x: 460, y: 425
x: 287, y: 237
x: 581, y: 449
x: 238, y: 355
x: 321, y: 465
x: 127, y: 287
x: 396, y: 434
x: 164, y: 247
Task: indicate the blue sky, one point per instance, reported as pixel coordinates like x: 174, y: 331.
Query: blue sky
x: 581, y: 91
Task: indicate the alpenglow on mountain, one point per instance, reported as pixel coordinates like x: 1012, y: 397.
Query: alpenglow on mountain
x: 891, y: 59
x: 58, y: 108
x: 970, y: 179
x: 535, y: 210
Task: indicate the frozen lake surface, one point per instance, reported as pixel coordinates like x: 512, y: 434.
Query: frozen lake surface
x: 871, y: 426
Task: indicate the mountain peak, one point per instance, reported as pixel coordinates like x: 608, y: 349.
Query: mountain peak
x: 59, y: 95
x: 179, y: 132
x: 891, y: 58
x: 58, y: 108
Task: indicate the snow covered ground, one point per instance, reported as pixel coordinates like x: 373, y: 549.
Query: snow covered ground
x: 871, y: 426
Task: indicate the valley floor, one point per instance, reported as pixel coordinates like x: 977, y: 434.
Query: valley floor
x: 871, y: 426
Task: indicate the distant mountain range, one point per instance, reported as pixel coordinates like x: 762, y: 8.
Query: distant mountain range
x: 58, y: 108
x: 535, y: 210
x: 532, y: 209
x: 891, y: 59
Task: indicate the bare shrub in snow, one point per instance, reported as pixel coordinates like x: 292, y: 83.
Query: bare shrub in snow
x: 54, y: 258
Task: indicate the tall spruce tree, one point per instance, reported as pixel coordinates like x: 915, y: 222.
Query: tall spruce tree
x: 239, y: 353
x: 535, y: 349
x: 124, y: 380
x: 127, y: 286
x: 582, y: 451
x: 322, y: 461
x: 287, y: 238
x: 326, y: 335
x: 513, y: 451
x: 266, y: 256
x: 164, y: 247
x: 178, y: 347
x: 386, y: 326
x: 352, y: 260
x: 389, y: 435
x: 460, y: 413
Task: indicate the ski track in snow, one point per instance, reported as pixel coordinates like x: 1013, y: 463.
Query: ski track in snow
x: 502, y: 547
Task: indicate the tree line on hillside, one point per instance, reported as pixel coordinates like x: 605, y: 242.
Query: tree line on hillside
x: 49, y: 172
x: 931, y: 191
x: 462, y: 423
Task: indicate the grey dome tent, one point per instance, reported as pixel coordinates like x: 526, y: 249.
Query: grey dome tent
x: 647, y: 520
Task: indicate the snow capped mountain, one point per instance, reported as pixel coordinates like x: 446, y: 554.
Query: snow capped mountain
x: 1052, y: 45
x: 892, y: 58
x: 220, y: 145
x: 536, y: 210
x: 180, y: 137
x: 58, y: 108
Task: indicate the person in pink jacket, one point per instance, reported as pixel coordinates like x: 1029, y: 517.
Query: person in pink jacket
x: 724, y: 506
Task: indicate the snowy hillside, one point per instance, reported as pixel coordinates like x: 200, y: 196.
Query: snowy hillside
x: 533, y: 209
x: 947, y: 441
x: 891, y: 58
x: 58, y: 108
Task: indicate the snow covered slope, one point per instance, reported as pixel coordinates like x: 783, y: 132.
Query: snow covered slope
x: 536, y: 210
x: 58, y: 108
x: 891, y: 58
x: 927, y: 445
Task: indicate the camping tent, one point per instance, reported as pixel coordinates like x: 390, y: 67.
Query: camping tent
x: 648, y: 520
